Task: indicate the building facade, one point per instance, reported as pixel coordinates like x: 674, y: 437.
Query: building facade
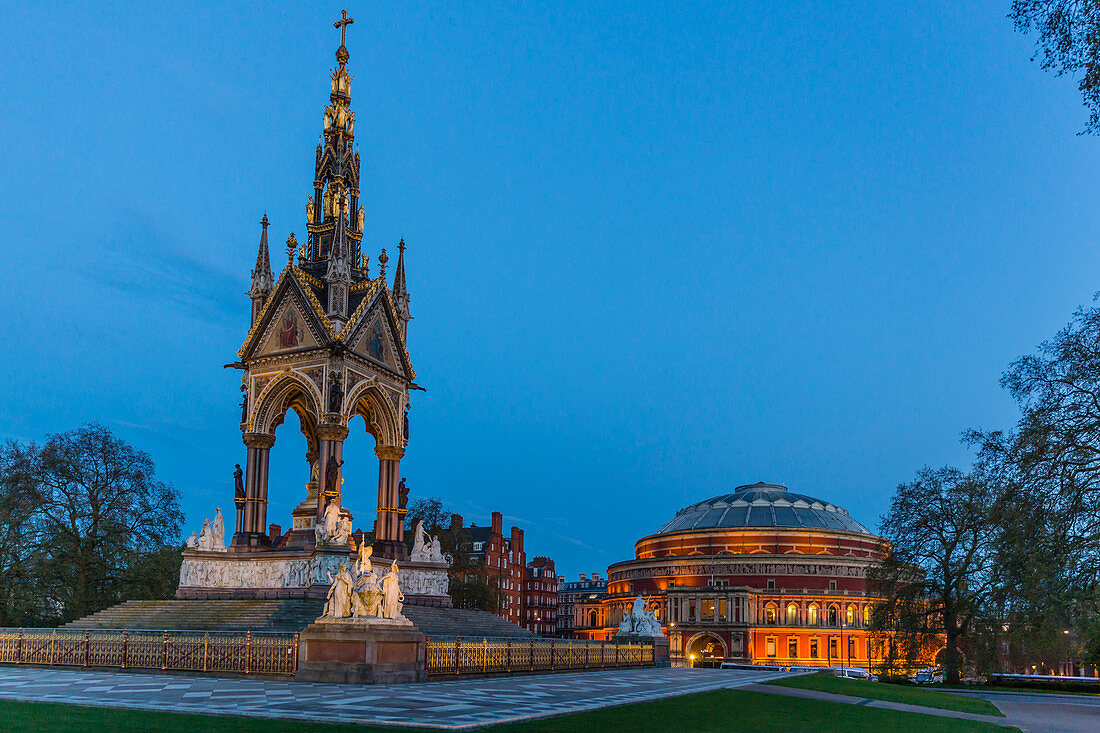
x: 527, y: 591
x: 574, y: 595
x: 761, y: 575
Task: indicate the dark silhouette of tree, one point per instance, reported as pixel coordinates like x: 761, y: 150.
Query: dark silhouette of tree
x: 1068, y: 43
x: 936, y: 576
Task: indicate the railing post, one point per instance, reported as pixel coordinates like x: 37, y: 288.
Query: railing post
x: 50, y: 659
x: 19, y: 648
x: 551, y: 655
x: 86, y: 645
x: 205, y: 649
x: 484, y: 655
x: 509, y: 662
x: 124, y: 649
x: 247, y: 652
x: 458, y: 647
x: 531, y: 658
x: 587, y: 646
x: 296, y: 652
x: 164, y: 651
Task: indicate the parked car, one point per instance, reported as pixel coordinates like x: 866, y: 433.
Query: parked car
x: 853, y: 673
x: 929, y: 676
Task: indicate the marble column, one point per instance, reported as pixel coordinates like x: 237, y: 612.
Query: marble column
x: 389, y: 525
x: 251, y: 533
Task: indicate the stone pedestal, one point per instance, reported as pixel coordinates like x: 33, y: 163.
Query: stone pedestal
x: 661, y: 656
x: 361, y: 651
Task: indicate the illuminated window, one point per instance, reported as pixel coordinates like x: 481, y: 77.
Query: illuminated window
x: 832, y: 616
x: 706, y: 609
x: 813, y: 648
x: 832, y: 649
x: 769, y: 646
x: 769, y: 614
x: 851, y: 648
x: 811, y: 615
x: 851, y: 615
x: 722, y: 609
x: 792, y: 614
x: 866, y: 615
x: 792, y: 647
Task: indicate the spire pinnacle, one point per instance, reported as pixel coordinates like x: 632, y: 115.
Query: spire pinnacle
x: 400, y: 291
x: 262, y: 281
x: 342, y: 24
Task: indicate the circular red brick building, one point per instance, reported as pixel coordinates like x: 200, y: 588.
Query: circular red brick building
x: 760, y: 575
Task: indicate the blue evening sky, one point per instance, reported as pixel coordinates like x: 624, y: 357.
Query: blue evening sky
x: 655, y: 250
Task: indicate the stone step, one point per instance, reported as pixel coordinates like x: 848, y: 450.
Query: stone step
x: 283, y: 615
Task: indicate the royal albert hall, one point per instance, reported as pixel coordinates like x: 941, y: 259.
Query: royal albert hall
x: 761, y: 575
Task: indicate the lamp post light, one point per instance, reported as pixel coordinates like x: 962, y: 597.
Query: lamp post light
x: 1065, y: 669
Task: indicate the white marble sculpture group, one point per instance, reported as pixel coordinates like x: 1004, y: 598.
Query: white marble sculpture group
x: 212, y: 535
x: 359, y: 594
x: 640, y: 623
x: 333, y: 529
x: 425, y: 547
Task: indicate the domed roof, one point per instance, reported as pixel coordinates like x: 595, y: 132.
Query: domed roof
x: 762, y: 505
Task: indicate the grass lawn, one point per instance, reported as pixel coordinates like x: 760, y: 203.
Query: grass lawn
x: 722, y: 710
x: 910, y: 695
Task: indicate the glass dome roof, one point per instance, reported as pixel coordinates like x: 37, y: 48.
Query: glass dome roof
x: 762, y: 505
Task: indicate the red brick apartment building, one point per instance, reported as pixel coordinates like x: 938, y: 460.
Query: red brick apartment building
x: 528, y: 590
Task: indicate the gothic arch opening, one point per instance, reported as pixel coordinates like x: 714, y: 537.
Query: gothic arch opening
x: 706, y: 650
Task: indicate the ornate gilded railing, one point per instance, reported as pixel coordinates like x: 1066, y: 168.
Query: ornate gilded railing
x: 242, y: 652
x: 501, y: 656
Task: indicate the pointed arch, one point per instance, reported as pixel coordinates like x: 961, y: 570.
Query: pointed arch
x: 289, y: 391
x: 370, y: 401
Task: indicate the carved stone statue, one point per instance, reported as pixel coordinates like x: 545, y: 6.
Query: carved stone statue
x: 330, y: 523
x: 436, y: 550
x: 421, y: 549
x: 640, y: 623
x: 363, y: 565
x: 244, y: 405
x: 402, y: 494
x: 338, y: 604
x: 206, y: 539
x: 238, y: 482
x: 335, y: 396
x: 332, y: 475
x: 192, y: 541
x: 327, y: 201
x: 391, y: 594
x: 309, y: 210
x: 361, y: 219
x: 217, y: 531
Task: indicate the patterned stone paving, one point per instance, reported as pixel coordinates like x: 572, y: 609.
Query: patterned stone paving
x: 450, y: 705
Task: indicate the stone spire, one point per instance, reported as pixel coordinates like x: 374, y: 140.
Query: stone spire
x: 400, y: 291
x: 338, y: 274
x: 262, y: 281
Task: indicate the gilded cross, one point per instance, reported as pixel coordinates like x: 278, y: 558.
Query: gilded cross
x: 343, y: 24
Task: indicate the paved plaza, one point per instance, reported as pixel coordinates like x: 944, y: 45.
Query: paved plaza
x: 450, y: 705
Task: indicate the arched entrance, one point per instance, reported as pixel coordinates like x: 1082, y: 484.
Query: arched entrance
x: 705, y: 650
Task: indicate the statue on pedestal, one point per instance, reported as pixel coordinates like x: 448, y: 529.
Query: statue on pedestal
x: 217, y: 531
x: 363, y: 565
x: 391, y: 594
x: 338, y: 604
x: 640, y: 623
x: 332, y: 475
x: 335, y: 396
x: 238, y: 482
x: 206, y: 539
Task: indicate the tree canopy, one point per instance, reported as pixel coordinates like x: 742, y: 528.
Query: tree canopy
x: 84, y: 524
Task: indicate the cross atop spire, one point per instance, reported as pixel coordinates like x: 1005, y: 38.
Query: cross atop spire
x: 343, y: 24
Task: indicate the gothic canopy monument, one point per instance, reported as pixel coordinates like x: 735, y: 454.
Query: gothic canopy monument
x: 327, y: 342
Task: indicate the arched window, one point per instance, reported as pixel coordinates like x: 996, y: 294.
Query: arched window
x: 867, y: 616
x: 812, y: 615
x: 769, y: 613
x: 792, y: 614
x: 832, y: 616
x: 851, y: 616
x: 592, y: 618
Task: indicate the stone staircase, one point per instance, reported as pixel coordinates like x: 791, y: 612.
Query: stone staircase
x: 285, y: 615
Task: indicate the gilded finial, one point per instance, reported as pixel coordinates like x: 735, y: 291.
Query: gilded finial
x: 291, y: 245
x: 382, y: 260
x: 342, y: 24
x: 364, y: 263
